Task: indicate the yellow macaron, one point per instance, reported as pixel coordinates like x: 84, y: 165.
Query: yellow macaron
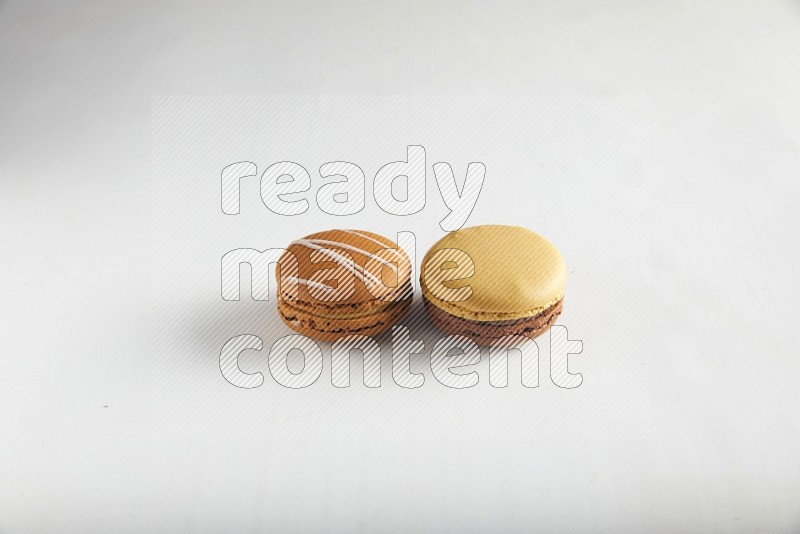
x: 487, y: 282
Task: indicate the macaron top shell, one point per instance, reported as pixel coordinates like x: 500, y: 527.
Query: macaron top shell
x: 517, y: 273
x: 345, y: 272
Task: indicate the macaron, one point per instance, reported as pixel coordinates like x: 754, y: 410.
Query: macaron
x: 487, y: 282
x: 338, y: 283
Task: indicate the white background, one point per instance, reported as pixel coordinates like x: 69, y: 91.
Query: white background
x: 78, y: 450
x: 575, y: 169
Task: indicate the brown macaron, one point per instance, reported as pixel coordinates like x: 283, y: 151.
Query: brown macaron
x: 488, y: 282
x: 338, y: 283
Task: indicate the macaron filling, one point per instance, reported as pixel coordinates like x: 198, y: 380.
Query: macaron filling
x: 484, y: 332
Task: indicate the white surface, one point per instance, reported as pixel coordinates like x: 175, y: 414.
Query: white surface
x: 76, y: 85
x: 573, y: 168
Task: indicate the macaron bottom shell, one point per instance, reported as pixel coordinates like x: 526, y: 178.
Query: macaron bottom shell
x: 333, y: 328
x: 485, y: 332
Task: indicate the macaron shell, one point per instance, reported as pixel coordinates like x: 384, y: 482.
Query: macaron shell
x: 316, y: 266
x: 518, y: 273
x: 486, y: 332
x: 331, y: 329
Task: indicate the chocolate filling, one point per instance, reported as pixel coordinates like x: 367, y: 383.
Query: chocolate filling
x: 295, y: 317
x: 484, y: 332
